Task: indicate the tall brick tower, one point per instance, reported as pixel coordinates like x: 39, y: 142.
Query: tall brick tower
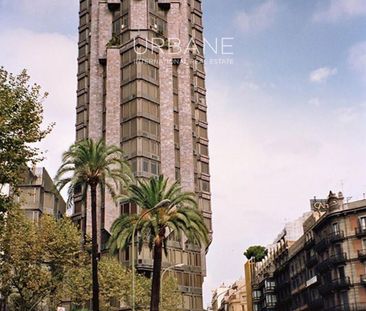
x: 141, y: 85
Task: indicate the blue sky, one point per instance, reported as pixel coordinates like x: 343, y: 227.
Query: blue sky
x: 286, y: 120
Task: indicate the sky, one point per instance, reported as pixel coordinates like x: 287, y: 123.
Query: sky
x: 286, y: 113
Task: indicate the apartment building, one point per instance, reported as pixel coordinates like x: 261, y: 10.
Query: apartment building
x: 232, y: 298
x: 38, y: 195
x: 325, y: 268
x: 141, y: 86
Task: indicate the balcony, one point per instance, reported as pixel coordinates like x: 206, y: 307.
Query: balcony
x: 348, y: 307
x: 269, y: 288
x: 269, y: 305
x: 316, y: 304
x: 360, y: 231
x: 330, y: 262
x: 309, y: 243
x: 321, y: 245
x: 164, y: 4
x: 335, y: 285
x: 311, y: 261
x: 363, y: 280
x: 336, y: 236
x: 362, y: 254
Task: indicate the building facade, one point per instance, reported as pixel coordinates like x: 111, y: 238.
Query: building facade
x: 141, y: 86
x: 325, y: 268
x: 38, y: 196
x: 232, y: 298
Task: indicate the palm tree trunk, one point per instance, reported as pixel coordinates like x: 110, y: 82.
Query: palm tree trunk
x: 155, y: 289
x: 94, y: 248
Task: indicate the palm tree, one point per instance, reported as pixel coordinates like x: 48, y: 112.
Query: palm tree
x: 87, y: 165
x: 164, y: 209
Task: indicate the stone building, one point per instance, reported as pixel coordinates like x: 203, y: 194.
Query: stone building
x: 141, y: 86
x: 325, y: 268
x: 38, y: 195
x: 231, y: 298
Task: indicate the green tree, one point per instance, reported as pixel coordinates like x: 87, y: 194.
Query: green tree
x: 34, y: 258
x: 21, y: 117
x: 89, y: 165
x: 257, y: 252
x: 164, y: 208
x: 115, y: 285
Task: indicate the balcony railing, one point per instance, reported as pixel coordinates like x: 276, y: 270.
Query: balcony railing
x: 269, y: 288
x: 332, y: 261
x: 309, y: 243
x: 335, y: 285
x: 311, y: 261
x: 316, y: 304
x: 269, y: 305
x: 362, y: 254
x: 321, y: 245
x: 336, y: 236
x: 363, y: 279
x: 360, y: 231
x: 348, y: 307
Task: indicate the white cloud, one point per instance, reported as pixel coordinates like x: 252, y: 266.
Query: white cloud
x: 275, y: 156
x: 357, y: 58
x: 315, y: 102
x: 257, y: 19
x: 322, y: 74
x: 51, y: 62
x: 340, y: 9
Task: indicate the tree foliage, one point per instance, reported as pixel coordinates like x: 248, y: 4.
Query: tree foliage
x: 165, y: 209
x: 115, y: 286
x: 257, y: 252
x: 34, y: 258
x: 21, y: 117
x: 89, y: 165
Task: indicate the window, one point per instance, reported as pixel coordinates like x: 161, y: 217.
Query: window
x: 129, y: 110
x: 202, y: 132
x: 200, y: 82
x: 129, y: 91
x: 176, y: 120
x: 82, y: 51
x: 204, y: 168
x: 335, y: 227
x: 149, y: 109
x: 205, y: 205
x: 129, y: 129
x: 129, y: 72
x: 205, y: 186
x: 150, y: 148
x: 363, y: 222
x: 150, y: 128
x: 130, y: 148
x: 201, y: 115
x: 149, y: 72
x: 80, y: 117
x: 148, y: 90
x: 82, y: 83
x: 364, y: 244
x: 82, y: 67
x: 128, y: 56
x: 83, y: 35
x: 203, y: 150
x: 83, y: 5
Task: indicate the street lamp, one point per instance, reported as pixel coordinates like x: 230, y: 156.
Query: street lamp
x: 159, y: 205
x: 179, y: 265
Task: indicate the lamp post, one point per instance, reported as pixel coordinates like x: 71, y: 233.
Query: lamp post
x: 179, y: 265
x: 159, y: 205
